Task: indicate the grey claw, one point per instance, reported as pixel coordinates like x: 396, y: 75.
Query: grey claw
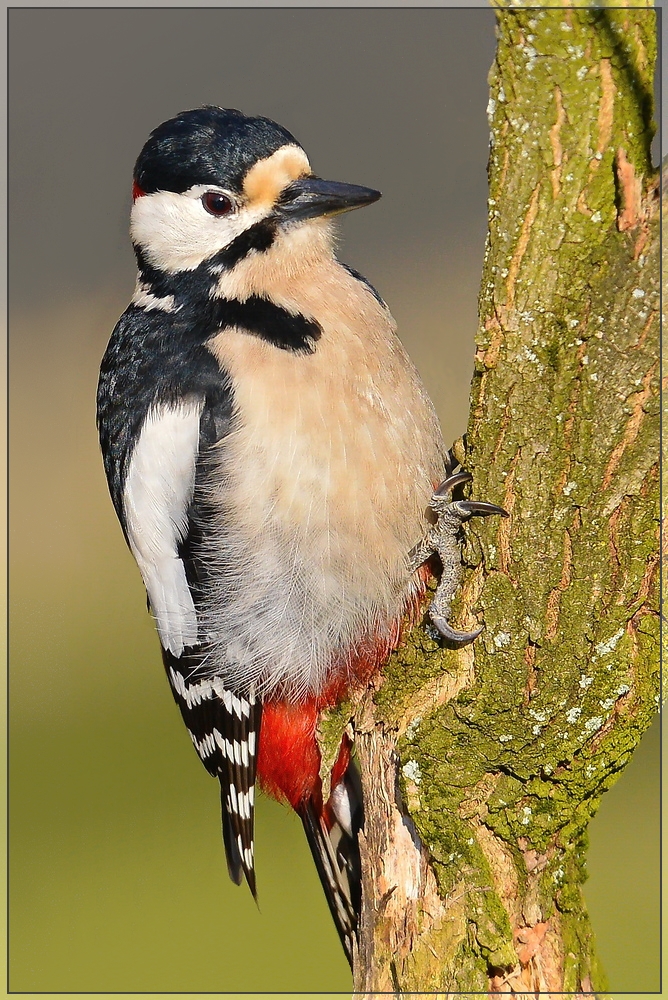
x: 452, y: 634
x: 449, y: 484
x: 481, y: 508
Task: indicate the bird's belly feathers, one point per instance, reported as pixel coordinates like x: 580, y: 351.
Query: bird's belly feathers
x: 320, y: 492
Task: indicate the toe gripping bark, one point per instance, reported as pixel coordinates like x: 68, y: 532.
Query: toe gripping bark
x: 443, y: 538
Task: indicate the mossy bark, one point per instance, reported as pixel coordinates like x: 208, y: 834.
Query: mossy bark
x: 483, y: 765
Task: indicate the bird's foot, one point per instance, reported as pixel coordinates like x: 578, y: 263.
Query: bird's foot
x: 443, y: 539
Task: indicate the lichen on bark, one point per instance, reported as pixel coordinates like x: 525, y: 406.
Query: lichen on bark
x: 483, y: 765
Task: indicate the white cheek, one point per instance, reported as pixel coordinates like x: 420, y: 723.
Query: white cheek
x: 176, y: 233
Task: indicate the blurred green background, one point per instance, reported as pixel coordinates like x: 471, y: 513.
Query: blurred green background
x: 117, y: 879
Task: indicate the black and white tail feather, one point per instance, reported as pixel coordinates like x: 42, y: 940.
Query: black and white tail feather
x: 224, y: 727
x: 333, y: 839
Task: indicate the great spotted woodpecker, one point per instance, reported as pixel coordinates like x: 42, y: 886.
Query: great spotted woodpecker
x: 272, y: 456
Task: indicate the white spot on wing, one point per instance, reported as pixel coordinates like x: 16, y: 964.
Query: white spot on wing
x: 218, y: 688
x: 206, y: 747
x: 244, y: 805
x: 191, y: 694
x: 158, y: 489
x: 220, y: 742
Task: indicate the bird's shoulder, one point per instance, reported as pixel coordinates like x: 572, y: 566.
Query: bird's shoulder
x: 157, y: 363
x: 364, y: 282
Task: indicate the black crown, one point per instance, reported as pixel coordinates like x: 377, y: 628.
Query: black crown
x: 208, y: 145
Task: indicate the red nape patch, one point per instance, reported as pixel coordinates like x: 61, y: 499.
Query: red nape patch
x: 137, y: 191
x: 288, y: 761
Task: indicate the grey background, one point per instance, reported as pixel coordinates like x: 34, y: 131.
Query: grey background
x: 118, y: 877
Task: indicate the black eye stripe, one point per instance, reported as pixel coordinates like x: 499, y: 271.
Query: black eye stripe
x: 216, y: 203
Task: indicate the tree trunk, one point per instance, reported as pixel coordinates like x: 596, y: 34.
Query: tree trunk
x: 482, y: 765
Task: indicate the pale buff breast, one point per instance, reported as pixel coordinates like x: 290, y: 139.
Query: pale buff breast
x: 323, y: 486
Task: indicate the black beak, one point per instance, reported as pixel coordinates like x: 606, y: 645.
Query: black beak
x: 310, y: 197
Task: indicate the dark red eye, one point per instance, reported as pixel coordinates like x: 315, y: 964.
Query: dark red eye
x: 216, y: 203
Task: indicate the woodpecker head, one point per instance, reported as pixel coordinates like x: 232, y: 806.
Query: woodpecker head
x: 213, y: 185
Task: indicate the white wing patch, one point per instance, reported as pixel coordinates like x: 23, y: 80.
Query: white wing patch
x: 158, y: 489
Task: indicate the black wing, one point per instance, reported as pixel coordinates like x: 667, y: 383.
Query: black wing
x: 224, y: 725
x: 156, y: 362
